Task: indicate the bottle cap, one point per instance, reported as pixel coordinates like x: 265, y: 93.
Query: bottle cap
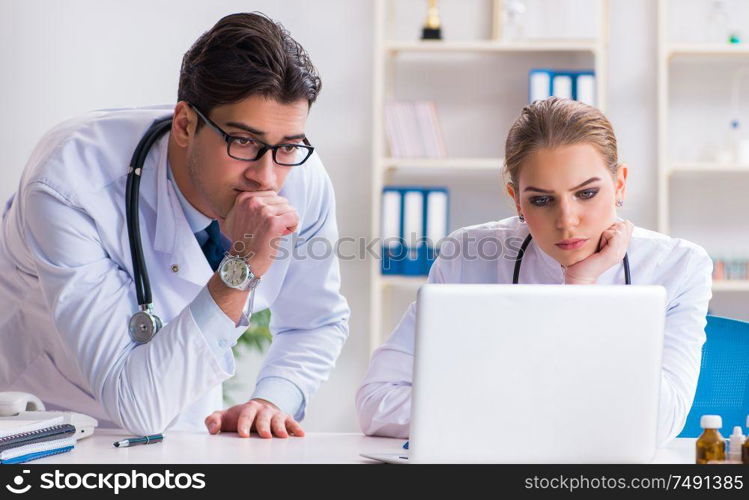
x: 711, y: 422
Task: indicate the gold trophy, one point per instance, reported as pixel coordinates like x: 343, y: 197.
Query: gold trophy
x: 432, y: 29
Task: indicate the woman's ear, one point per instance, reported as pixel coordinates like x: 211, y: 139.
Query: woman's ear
x: 511, y: 191
x: 621, y: 183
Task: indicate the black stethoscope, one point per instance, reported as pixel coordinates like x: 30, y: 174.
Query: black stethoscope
x: 524, y: 247
x: 144, y: 324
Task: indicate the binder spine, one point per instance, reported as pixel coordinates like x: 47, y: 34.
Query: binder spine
x: 436, y: 220
x: 413, y: 231
x: 414, y: 221
x: 392, y: 246
x: 577, y: 85
x: 539, y: 84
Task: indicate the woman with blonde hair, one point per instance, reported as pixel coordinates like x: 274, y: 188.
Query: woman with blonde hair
x: 566, y: 182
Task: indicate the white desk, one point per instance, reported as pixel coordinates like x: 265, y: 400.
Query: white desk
x: 203, y: 448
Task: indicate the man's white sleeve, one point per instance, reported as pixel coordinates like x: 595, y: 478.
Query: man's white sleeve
x: 91, y: 298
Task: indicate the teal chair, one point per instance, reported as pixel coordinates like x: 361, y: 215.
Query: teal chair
x: 723, y: 386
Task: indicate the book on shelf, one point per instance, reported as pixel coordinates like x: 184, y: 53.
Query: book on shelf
x: 413, y: 130
x: 730, y: 269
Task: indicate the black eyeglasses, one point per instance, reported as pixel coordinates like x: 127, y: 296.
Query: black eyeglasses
x: 251, y: 149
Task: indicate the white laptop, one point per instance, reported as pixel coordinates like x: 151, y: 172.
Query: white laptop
x: 535, y: 374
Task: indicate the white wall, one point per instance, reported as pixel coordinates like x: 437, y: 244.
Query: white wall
x: 58, y: 59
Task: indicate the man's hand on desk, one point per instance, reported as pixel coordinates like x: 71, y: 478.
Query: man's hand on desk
x: 259, y: 415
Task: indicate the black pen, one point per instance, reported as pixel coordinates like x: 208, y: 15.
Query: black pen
x: 154, y: 438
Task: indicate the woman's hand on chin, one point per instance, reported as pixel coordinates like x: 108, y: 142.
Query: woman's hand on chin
x: 611, y: 249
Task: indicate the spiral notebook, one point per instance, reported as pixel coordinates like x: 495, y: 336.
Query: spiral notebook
x: 33, y: 450
x: 13, y: 427
x: 25, y: 440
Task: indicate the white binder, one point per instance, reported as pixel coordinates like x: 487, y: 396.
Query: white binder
x: 391, y: 217
x: 539, y: 85
x: 562, y: 86
x: 413, y: 222
x: 436, y: 217
x: 586, y: 89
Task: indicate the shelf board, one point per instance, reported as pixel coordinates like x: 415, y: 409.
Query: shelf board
x: 444, y: 163
x: 709, y: 49
x: 395, y: 47
x: 402, y: 281
x: 731, y: 286
x: 678, y: 168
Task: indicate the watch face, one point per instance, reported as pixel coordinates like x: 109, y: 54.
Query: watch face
x: 234, y: 272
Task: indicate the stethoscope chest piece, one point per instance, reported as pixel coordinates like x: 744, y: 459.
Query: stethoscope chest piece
x: 143, y: 326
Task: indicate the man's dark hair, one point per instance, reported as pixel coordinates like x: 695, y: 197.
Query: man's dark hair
x: 245, y: 55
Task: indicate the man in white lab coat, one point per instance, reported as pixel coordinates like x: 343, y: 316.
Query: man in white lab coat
x: 218, y: 198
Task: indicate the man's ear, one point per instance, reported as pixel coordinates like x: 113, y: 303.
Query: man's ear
x: 183, y: 124
x: 515, y: 198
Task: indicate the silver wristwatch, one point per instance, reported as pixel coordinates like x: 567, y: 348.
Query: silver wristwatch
x: 235, y: 272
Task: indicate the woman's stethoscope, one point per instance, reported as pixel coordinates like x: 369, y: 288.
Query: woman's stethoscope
x: 524, y: 247
x: 144, y: 324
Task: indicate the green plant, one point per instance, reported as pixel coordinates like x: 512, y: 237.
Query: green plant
x: 257, y: 337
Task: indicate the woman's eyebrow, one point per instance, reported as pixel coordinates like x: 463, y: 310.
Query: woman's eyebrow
x: 592, y: 179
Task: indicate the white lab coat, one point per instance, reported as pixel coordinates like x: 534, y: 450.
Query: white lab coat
x: 485, y: 254
x: 67, y: 292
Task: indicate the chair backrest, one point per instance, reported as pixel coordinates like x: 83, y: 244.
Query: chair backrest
x: 723, y: 386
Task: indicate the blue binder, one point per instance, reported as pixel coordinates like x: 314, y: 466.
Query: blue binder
x: 541, y: 84
x: 407, y: 224
x: 391, y: 233
x: 436, y: 217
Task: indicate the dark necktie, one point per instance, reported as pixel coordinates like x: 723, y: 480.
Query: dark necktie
x: 213, y: 247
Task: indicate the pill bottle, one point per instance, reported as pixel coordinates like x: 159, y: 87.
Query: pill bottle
x: 710, y: 445
x: 735, y: 443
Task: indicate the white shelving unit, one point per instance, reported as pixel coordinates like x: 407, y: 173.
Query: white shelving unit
x: 386, y: 52
x: 491, y: 46
x: 699, y: 49
x: 402, y: 281
x: 731, y: 286
x: 444, y: 163
x: 685, y: 167
x: 668, y: 168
